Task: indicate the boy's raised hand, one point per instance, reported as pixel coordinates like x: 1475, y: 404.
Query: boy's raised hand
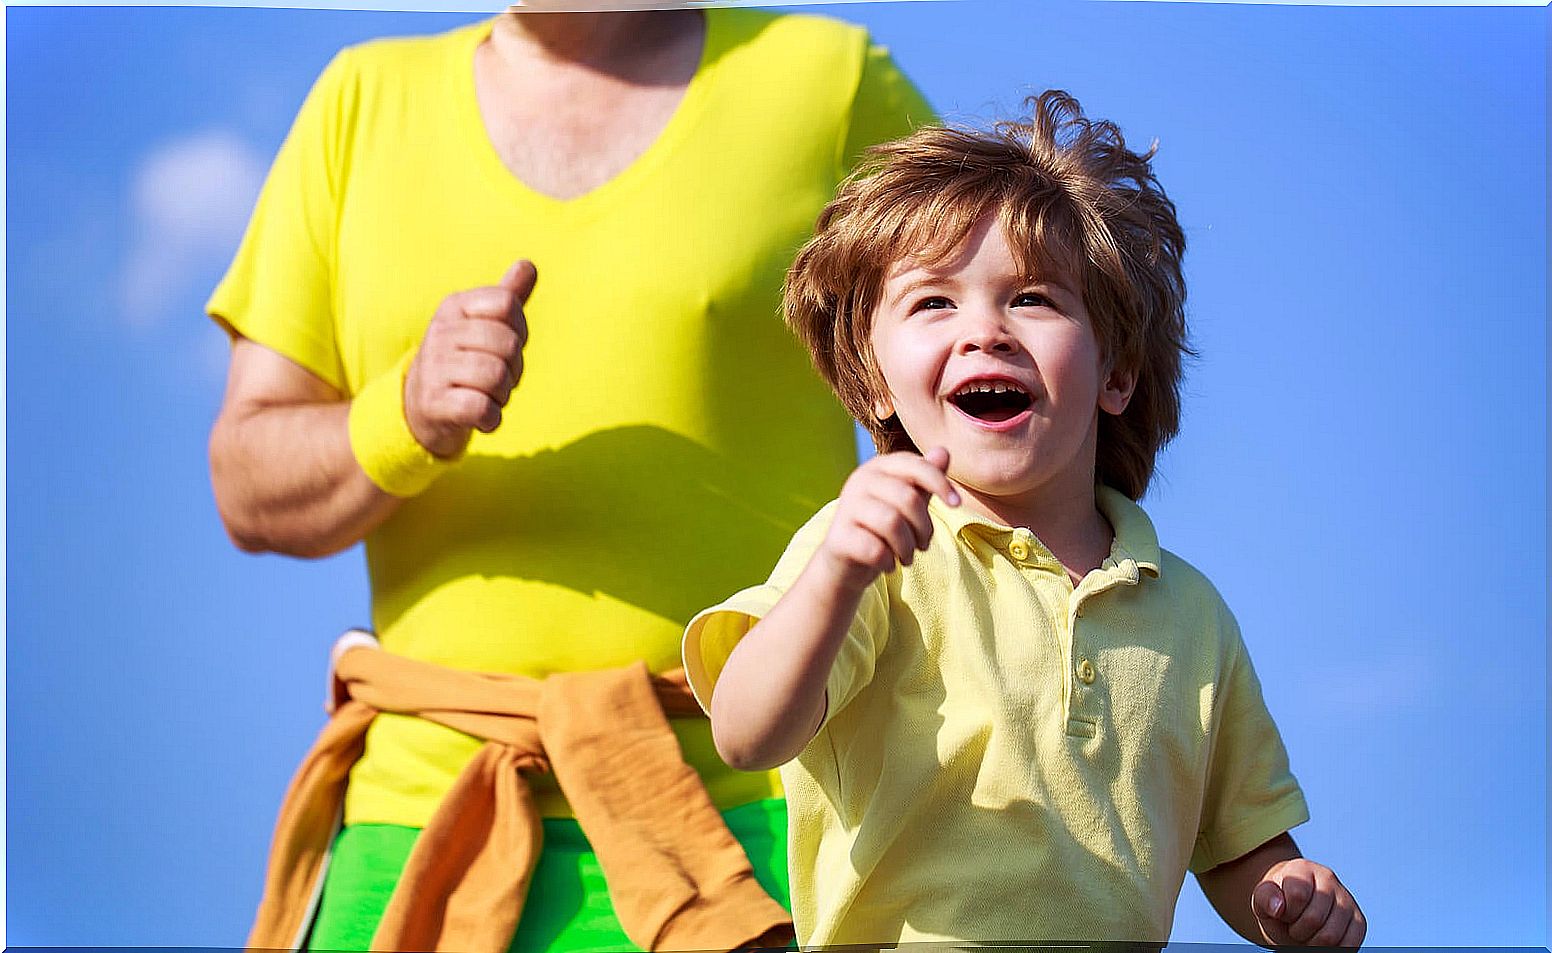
x: 468, y: 362
x: 1302, y: 903
x: 881, y: 518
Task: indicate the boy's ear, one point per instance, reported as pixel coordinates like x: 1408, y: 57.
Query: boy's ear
x: 1116, y: 391
x: 883, y: 403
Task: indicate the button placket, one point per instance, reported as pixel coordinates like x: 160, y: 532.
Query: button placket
x: 1082, y: 718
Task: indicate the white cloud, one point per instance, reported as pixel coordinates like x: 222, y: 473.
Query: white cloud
x: 190, y: 201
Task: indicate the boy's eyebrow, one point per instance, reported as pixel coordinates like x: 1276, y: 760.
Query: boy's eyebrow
x: 1060, y: 284
x: 926, y: 278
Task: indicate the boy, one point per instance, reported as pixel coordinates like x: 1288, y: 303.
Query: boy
x: 1002, y: 711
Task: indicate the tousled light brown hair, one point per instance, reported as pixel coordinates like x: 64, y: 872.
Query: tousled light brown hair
x: 1073, y: 202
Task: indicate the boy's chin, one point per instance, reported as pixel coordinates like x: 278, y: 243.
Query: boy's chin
x: 996, y: 484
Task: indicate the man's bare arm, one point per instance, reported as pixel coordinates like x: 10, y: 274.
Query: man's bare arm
x: 286, y: 477
x: 280, y: 460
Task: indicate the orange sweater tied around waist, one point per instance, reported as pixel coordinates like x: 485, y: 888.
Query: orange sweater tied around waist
x: 677, y: 877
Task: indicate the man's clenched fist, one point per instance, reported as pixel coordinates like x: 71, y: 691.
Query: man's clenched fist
x: 468, y: 362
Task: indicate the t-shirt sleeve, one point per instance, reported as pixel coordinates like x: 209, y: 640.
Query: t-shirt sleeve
x: 1251, y: 793
x: 278, y: 291
x: 713, y: 633
x: 887, y: 106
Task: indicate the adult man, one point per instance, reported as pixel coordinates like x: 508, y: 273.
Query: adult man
x: 560, y: 504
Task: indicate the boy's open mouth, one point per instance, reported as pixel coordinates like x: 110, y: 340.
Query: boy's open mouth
x: 993, y: 401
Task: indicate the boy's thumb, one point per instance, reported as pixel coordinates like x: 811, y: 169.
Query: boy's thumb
x: 520, y: 278
x: 938, y: 457
x: 1267, y: 900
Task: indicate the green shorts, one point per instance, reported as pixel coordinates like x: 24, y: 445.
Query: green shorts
x: 568, y: 905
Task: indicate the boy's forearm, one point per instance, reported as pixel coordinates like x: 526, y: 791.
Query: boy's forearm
x: 1229, y: 886
x: 770, y: 697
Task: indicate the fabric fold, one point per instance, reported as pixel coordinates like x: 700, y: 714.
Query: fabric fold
x: 677, y: 877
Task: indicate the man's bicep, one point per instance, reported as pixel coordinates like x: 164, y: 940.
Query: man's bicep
x: 259, y: 377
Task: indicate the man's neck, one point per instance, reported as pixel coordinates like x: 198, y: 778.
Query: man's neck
x: 611, y: 42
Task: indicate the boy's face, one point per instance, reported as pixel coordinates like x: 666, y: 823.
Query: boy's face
x: 1003, y: 372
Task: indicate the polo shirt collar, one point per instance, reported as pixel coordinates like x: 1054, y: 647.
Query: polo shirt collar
x: 1136, y: 541
x: 1135, y: 548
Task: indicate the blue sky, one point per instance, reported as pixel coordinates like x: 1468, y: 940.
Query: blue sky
x: 1362, y: 467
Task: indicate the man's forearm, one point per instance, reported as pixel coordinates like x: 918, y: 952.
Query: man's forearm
x: 286, y: 481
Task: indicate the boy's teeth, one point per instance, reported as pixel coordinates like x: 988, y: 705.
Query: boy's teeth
x: 989, y: 387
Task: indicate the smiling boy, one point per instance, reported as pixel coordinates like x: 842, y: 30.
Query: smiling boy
x: 1002, y: 711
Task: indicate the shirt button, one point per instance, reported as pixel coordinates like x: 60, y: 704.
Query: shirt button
x: 1019, y: 548
x: 1086, y: 672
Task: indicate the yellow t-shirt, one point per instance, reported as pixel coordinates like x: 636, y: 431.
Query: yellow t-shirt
x: 667, y: 434
x: 1007, y: 758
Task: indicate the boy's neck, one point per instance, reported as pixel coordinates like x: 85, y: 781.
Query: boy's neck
x: 1068, y: 523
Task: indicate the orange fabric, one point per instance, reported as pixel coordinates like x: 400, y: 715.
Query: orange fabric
x: 677, y: 877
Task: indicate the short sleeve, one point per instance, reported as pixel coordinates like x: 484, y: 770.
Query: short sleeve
x: 1251, y: 794
x: 712, y: 635
x: 278, y: 291
x: 887, y: 106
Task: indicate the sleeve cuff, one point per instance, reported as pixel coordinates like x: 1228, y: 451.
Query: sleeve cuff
x: 381, y: 440
x: 711, y: 636
x: 1220, y: 848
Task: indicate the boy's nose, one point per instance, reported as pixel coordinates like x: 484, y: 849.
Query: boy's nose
x: 987, y: 333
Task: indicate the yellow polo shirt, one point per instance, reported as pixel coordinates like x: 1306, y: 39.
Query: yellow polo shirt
x: 1006, y: 757
x: 668, y: 433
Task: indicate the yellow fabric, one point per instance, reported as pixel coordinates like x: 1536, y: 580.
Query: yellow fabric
x: 381, y: 439
x: 667, y: 435
x: 1007, y: 758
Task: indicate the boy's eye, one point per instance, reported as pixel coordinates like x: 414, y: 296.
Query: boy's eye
x: 1030, y: 299
x: 933, y: 303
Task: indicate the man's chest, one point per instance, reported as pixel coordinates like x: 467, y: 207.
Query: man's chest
x: 564, y: 131
x: 573, y: 151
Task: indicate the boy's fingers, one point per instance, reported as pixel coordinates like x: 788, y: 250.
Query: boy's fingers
x: 1313, y: 917
x: 910, y: 505
x: 1334, y: 927
x: 883, y: 520
x: 1356, y: 931
x: 1266, y: 901
x: 938, y: 482
x: 1298, y: 888
x: 923, y: 474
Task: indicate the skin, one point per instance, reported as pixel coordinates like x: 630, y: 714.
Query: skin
x: 1274, y: 896
x: 569, y: 101
x: 975, y: 317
